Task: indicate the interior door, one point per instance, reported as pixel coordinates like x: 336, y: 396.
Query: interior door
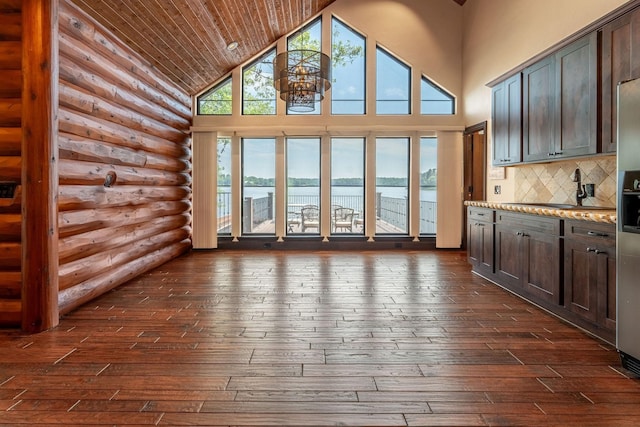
x: 475, y: 160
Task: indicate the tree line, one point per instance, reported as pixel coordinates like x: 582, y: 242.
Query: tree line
x: 427, y: 179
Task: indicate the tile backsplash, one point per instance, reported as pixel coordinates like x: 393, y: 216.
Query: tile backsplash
x: 553, y: 182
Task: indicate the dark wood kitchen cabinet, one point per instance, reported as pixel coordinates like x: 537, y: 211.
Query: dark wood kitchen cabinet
x: 620, y: 62
x: 480, y: 231
x: 590, y: 275
x: 507, y: 121
x: 527, y: 255
x: 577, y: 98
x: 566, y: 266
x: 538, y: 109
x: 560, y: 103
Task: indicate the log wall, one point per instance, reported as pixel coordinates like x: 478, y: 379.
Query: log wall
x: 125, y: 161
x: 10, y: 160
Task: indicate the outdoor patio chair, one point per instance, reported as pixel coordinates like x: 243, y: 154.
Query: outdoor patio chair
x: 343, y: 219
x: 310, y: 216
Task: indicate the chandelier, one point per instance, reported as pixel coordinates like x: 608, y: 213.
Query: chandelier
x: 302, y: 76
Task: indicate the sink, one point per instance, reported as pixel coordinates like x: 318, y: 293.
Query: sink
x: 566, y: 206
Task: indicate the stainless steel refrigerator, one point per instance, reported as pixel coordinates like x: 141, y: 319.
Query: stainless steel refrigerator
x: 628, y: 226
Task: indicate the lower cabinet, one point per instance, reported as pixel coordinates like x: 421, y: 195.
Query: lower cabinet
x: 590, y: 275
x: 566, y: 266
x: 480, y: 239
x: 527, y: 256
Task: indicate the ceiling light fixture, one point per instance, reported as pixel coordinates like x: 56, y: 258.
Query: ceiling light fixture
x: 232, y: 46
x: 302, y: 76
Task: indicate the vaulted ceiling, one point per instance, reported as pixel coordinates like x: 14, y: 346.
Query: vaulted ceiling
x: 187, y: 39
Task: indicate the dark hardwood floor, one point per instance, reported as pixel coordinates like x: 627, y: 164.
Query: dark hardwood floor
x: 238, y: 338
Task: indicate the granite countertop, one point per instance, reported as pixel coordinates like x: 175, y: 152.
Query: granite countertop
x: 585, y: 213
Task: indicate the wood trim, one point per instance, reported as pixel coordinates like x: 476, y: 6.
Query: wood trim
x: 594, y: 26
x: 40, y: 165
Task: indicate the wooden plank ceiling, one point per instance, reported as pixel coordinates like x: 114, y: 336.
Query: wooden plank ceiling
x: 187, y: 39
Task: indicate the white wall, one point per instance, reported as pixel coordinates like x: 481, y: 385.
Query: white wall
x: 499, y: 35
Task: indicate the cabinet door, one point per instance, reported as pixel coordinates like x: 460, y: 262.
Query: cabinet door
x: 509, y: 256
x: 576, y: 71
x: 480, y: 245
x: 538, y: 110
x: 507, y: 121
x: 606, y: 261
x: 581, y: 279
x: 541, y: 274
x: 500, y: 126
x: 620, y: 62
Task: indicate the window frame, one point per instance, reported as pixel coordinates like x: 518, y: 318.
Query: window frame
x: 409, y: 100
x: 215, y: 88
x: 260, y: 59
x: 440, y: 89
x: 335, y: 19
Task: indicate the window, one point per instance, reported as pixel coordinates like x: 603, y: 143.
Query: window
x: 303, y: 185
x: 434, y: 99
x: 308, y: 37
x: 348, y: 70
x: 428, y: 185
x: 216, y: 101
x: 258, y: 185
x: 347, y: 185
x: 392, y: 185
x: 393, y: 85
x: 224, y: 186
x: 258, y: 92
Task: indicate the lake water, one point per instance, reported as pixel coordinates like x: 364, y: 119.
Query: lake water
x: 426, y: 193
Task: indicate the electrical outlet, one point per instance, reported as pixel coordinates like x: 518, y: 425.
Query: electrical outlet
x: 590, y: 189
x: 497, y: 189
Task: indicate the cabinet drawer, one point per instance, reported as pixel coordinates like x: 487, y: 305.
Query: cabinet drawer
x: 530, y: 222
x: 481, y: 214
x: 590, y: 230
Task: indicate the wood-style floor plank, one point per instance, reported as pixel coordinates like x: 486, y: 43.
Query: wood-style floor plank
x: 269, y: 338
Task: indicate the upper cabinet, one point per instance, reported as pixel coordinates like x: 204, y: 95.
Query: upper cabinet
x: 565, y: 104
x: 538, y: 115
x: 560, y: 103
x: 577, y: 97
x: 507, y: 121
x: 620, y: 62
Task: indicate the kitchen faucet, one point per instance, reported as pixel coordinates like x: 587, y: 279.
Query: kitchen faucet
x: 581, y: 192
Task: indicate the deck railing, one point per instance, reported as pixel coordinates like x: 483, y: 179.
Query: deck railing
x: 391, y: 210
x: 224, y: 212
x: 256, y: 211
x: 428, y: 217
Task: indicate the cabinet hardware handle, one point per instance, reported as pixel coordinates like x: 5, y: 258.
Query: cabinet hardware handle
x: 479, y: 224
x: 595, y: 233
x: 596, y: 251
x: 479, y: 214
